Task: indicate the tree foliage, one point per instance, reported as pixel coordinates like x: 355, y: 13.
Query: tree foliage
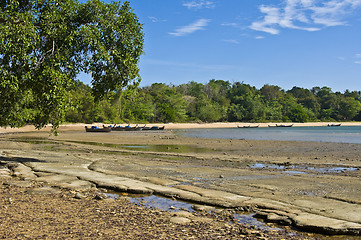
x: 45, y: 44
x: 215, y: 101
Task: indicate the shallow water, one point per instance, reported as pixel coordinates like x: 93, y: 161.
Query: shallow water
x: 152, y: 148
x: 310, y: 169
x: 172, y: 205
x: 343, y: 134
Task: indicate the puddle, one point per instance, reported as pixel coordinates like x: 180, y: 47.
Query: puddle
x: 268, y: 166
x: 162, y: 203
x: 337, y: 169
x: 330, y: 169
x: 167, y: 204
x: 294, y: 172
x: 153, y: 201
x: 249, y: 219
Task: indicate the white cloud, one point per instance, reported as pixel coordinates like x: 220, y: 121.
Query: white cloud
x: 259, y: 37
x: 199, y: 4
x: 357, y: 62
x: 357, y: 55
x: 186, y: 30
x: 272, y: 18
x: 308, y: 15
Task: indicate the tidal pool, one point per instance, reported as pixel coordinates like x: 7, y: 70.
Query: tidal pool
x: 167, y: 204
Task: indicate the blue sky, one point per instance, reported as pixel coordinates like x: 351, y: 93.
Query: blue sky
x: 288, y: 43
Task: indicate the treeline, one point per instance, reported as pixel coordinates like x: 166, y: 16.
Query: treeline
x: 216, y: 101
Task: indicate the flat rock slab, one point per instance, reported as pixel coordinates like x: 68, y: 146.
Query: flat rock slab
x: 22, y: 171
x: 44, y: 191
x: 22, y: 184
x: 66, y: 181
x: 300, y: 213
x: 180, y: 220
x: 5, y: 173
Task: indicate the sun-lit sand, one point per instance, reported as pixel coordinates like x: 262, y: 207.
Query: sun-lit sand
x: 80, y: 126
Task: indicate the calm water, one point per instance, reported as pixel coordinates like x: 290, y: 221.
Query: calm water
x: 343, y: 134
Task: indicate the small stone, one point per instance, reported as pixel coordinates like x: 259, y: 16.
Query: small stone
x: 100, y: 196
x: 78, y: 195
x: 221, y: 176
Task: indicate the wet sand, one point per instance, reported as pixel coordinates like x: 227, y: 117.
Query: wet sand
x: 314, y: 186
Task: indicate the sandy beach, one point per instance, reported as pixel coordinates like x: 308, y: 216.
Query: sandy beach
x: 170, y: 126
x: 311, y: 186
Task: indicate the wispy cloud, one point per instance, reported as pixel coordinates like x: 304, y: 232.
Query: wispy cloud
x: 198, y: 4
x: 231, y: 41
x: 358, y: 57
x: 259, y: 37
x: 308, y: 15
x: 154, y: 19
x: 193, y: 27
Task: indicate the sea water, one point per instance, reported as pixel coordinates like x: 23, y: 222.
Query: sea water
x: 342, y: 134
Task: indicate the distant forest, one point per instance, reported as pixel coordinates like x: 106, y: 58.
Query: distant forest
x: 216, y: 101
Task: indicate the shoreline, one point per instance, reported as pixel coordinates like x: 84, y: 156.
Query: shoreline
x: 311, y: 186
x: 173, y: 126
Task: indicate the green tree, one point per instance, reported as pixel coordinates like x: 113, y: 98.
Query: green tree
x: 306, y: 98
x: 298, y: 114
x: 170, y: 105
x: 46, y: 43
x: 246, y: 103
x: 349, y: 108
x: 271, y: 92
x: 138, y: 106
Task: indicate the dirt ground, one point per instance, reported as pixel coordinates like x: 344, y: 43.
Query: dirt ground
x: 321, y: 179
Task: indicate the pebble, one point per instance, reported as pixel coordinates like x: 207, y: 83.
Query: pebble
x: 100, y: 196
x: 79, y: 196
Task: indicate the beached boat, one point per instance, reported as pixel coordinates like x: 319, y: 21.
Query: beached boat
x: 334, y: 125
x: 283, y: 125
x: 153, y: 128
x: 136, y: 128
x: 98, y: 129
x: 248, y: 126
x: 127, y: 128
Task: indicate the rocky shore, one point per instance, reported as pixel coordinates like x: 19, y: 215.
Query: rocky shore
x: 314, y: 187
x: 32, y: 211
